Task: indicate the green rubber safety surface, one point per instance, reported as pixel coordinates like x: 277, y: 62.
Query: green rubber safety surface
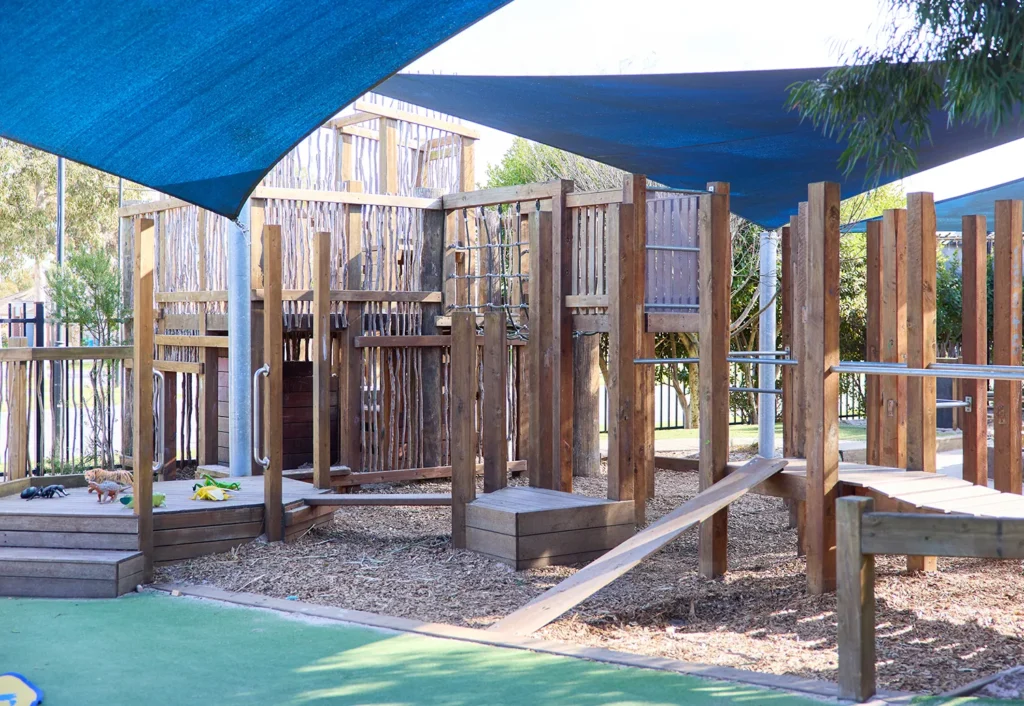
x: 154, y: 649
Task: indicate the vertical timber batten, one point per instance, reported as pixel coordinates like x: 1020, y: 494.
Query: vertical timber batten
x: 322, y: 360
x: 893, y: 320
x: 921, y: 257
x: 715, y: 320
x: 463, y: 411
x: 974, y: 317
x: 622, y: 351
x: 822, y: 384
x: 856, y: 603
x: 350, y: 368
x: 495, y: 416
x: 562, y: 345
x: 635, y: 192
x: 874, y: 410
x: 1006, y: 345
x: 541, y: 459
x: 432, y: 279
x: 786, y: 293
x: 273, y: 408
x: 142, y: 389
x: 18, y: 413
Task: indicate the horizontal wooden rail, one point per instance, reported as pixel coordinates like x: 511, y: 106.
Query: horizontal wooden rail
x: 593, y: 198
x: 586, y: 301
x: 172, y: 366
x: 69, y: 353
x: 217, y: 295
x: 672, y: 323
x: 501, y: 194
x: 162, y: 339
x: 942, y: 535
x: 357, y: 198
x: 432, y: 341
x: 295, y: 295
x: 409, y: 117
x: 138, y: 209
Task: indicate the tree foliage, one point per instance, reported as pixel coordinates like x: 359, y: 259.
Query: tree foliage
x: 965, y: 57
x: 528, y: 162
x: 28, y: 211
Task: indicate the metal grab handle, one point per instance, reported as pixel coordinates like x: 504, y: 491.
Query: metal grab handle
x: 262, y: 460
x: 158, y: 461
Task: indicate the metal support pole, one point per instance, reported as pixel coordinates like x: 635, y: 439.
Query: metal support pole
x: 766, y: 341
x: 239, y: 346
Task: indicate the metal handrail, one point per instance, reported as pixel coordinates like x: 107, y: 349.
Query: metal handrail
x: 935, y: 370
x: 262, y: 460
x: 158, y: 461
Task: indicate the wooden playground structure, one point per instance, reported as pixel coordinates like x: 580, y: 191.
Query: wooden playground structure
x: 410, y: 327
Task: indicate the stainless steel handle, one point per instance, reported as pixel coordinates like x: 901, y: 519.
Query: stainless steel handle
x: 262, y: 460
x: 158, y: 461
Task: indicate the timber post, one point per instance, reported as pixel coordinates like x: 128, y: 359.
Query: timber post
x: 495, y: 386
x: 855, y: 603
x: 432, y: 279
x: 562, y: 339
x: 17, y: 422
x: 273, y: 408
x: 974, y: 318
x: 463, y: 413
x: 541, y: 457
x: 321, y: 360
x: 893, y: 321
x: 715, y: 320
x: 1006, y: 345
x: 822, y: 385
x: 350, y: 364
x: 142, y: 390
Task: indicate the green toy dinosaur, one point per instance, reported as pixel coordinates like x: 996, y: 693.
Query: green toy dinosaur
x: 209, y: 480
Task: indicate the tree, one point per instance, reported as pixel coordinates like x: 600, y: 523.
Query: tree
x: 28, y: 211
x: 960, y: 56
x: 528, y: 162
x: 86, y: 292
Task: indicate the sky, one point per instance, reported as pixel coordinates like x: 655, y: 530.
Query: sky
x: 553, y: 37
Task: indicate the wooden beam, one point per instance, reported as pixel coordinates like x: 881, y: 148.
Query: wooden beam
x: 634, y: 191
x: 1006, y: 345
x: 855, y: 603
x: 350, y: 364
x: 666, y: 322
x: 17, y: 423
x: 893, y: 319
x: 501, y: 194
x: 873, y: 407
x: 586, y: 400
x: 406, y: 116
x: 198, y: 341
x: 256, y: 219
x: 822, y: 384
x: 921, y: 257
x: 622, y: 313
x: 208, y: 423
x: 321, y: 360
x: 589, y: 580
x: 561, y: 281
x: 715, y: 268
x: 347, y: 197
x: 786, y: 295
x: 541, y: 354
x: 495, y: 384
x: 593, y: 198
x: 273, y: 407
x: 148, y: 207
x: 431, y: 377
x: 798, y: 231
x: 388, y: 156
x: 142, y: 389
x: 944, y: 535
x: 974, y: 351
x: 169, y: 414
x: 463, y: 421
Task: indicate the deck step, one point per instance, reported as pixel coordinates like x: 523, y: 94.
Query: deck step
x: 42, y: 572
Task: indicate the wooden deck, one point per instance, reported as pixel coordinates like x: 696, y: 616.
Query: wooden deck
x: 75, y: 546
x: 905, y: 491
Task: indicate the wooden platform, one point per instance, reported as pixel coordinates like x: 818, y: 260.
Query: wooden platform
x: 905, y: 491
x: 77, y: 547
x: 531, y: 527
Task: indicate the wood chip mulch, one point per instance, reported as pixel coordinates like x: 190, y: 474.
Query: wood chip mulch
x: 935, y: 631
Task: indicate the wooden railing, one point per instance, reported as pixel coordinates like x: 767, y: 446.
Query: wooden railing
x: 59, y: 407
x: 861, y: 534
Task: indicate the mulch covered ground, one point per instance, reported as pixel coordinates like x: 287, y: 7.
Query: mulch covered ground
x: 935, y: 631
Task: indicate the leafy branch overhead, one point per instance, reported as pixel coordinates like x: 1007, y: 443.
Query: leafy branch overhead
x: 962, y: 57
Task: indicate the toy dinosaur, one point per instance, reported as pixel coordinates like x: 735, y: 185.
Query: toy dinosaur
x: 210, y: 492
x: 158, y: 500
x: 107, y: 489
x: 210, y: 481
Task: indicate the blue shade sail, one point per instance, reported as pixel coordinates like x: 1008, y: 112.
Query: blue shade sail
x: 199, y: 98
x: 682, y: 130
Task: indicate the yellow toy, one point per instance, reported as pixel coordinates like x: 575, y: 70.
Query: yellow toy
x: 211, y: 492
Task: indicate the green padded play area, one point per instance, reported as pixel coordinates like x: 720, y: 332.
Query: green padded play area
x: 154, y: 649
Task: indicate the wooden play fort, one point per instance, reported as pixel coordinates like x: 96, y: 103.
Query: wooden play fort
x: 406, y: 326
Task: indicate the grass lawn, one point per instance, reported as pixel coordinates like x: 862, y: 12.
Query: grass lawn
x: 153, y: 649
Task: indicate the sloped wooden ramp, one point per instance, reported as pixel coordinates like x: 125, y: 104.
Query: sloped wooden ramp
x: 589, y: 580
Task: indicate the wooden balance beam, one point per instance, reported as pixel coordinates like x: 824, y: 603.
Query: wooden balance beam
x: 380, y: 499
x: 589, y: 580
